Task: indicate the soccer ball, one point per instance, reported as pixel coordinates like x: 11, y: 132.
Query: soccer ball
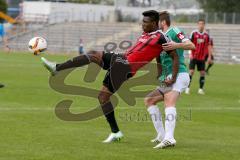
x: 37, y: 45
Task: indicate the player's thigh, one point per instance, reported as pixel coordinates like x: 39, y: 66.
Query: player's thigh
x: 153, y: 98
x: 201, y: 65
x: 182, y: 82
x: 192, y: 64
x: 170, y: 98
x: 95, y: 57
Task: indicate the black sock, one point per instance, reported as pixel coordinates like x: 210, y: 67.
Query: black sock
x: 108, y: 111
x: 201, y: 82
x: 75, y: 62
x: 190, y: 76
x: 209, y: 66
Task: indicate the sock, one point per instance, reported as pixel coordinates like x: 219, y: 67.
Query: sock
x: 209, y: 66
x: 190, y: 76
x: 75, y: 62
x: 108, y: 111
x: 170, y: 122
x: 201, y: 81
x: 157, y: 119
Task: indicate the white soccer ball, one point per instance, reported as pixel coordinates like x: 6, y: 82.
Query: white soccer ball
x: 37, y: 45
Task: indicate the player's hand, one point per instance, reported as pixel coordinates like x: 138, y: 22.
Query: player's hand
x: 169, y: 82
x: 169, y: 46
x: 209, y: 60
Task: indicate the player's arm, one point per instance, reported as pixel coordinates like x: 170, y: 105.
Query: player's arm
x: 185, y: 43
x: 159, y: 67
x: 210, y: 52
x: 173, y: 54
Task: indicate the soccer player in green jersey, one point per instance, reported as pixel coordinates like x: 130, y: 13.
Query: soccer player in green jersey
x: 169, y: 94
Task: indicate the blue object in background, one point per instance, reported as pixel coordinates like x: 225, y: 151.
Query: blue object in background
x: 2, y: 32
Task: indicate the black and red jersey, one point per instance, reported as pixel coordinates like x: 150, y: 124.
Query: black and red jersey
x: 201, y: 42
x: 147, y: 47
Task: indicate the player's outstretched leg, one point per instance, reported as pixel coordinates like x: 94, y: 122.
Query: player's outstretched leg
x: 151, y: 101
x: 105, y: 94
x: 108, y: 110
x: 79, y: 61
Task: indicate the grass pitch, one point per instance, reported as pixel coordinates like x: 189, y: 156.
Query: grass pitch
x: 208, y: 126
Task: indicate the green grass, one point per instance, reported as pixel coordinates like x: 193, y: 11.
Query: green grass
x: 208, y: 126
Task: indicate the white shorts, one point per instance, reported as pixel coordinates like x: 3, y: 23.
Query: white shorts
x: 180, y: 85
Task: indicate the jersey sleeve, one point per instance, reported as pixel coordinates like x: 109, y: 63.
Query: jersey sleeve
x: 191, y: 37
x: 180, y: 34
x: 209, y: 39
x: 163, y: 39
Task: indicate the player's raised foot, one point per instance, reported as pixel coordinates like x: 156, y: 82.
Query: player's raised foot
x: 200, y: 91
x: 187, y: 91
x: 158, y: 139
x: 114, y: 137
x: 165, y: 143
x: 51, y: 66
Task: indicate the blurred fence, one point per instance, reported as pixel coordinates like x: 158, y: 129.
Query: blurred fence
x: 65, y: 37
x: 128, y: 16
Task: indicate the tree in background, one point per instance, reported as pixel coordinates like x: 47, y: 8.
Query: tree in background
x: 3, y: 8
x: 227, y: 6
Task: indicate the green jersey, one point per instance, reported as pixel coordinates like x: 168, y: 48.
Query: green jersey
x: 176, y: 35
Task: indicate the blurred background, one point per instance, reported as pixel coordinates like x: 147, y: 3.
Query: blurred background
x: 70, y: 24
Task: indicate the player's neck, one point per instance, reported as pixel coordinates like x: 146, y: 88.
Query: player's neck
x: 165, y: 29
x: 153, y: 30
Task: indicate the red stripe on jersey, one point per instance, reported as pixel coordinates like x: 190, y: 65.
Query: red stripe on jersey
x: 201, y: 41
x: 145, y: 50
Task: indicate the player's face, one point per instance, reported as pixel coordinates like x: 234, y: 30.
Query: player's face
x: 201, y: 26
x: 147, y: 24
x: 161, y: 24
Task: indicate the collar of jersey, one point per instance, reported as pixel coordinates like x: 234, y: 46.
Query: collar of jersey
x: 168, y: 29
x: 200, y: 32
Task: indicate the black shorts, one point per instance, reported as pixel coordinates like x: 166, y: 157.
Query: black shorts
x: 200, y: 64
x: 206, y: 58
x: 118, y: 70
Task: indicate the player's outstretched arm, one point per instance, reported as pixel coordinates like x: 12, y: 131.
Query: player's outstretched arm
x: 186, y: 45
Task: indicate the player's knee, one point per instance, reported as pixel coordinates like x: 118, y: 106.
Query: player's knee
x: 191, y: 72
x: 103, y: 98
x: 202, y: 73
x: 148, y: 101
x: 95, y: 56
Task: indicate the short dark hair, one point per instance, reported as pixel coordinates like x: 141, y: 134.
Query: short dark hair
x: 165, y: 16
x: 201, y: 20
x: 152, y: 14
